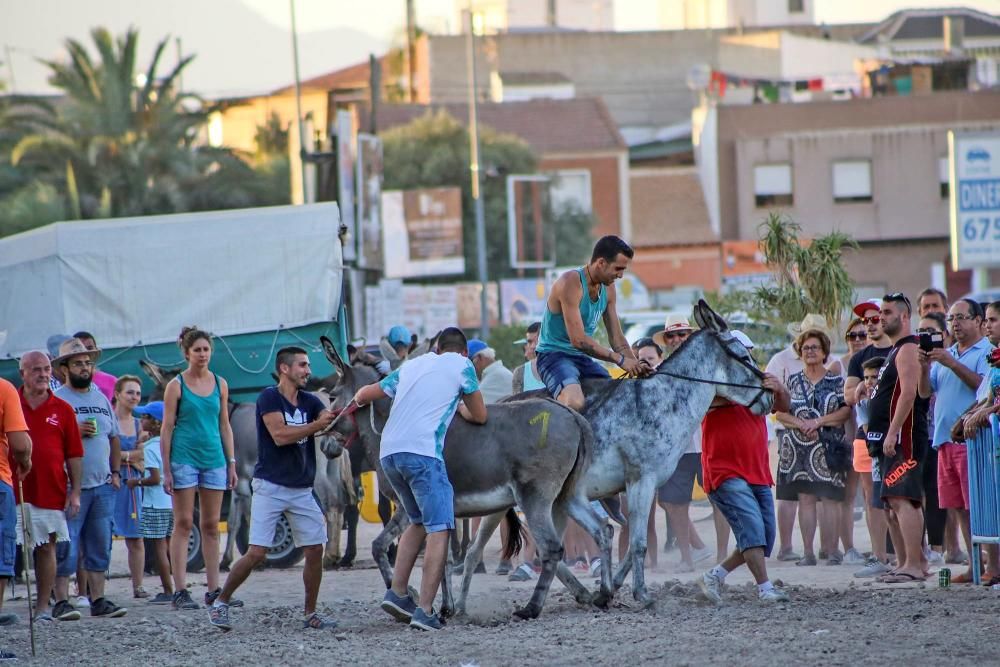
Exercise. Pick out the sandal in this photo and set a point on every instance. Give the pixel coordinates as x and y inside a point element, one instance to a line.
<point>139,592</point>
<point>899,578</point>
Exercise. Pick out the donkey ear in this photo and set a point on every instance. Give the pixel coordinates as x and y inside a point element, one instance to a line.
<point>330,350</point>
<point>701,319</point>
<point>154,372</point>
<point>388,351</point>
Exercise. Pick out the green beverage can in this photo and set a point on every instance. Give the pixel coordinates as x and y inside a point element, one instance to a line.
<point>93,421</point>
<point>944,577</point>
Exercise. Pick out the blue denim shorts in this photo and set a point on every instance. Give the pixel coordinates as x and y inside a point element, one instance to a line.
<point>89,532</point>
<point>559,369</point>
<point>422,486</point>
<point>749,509</point>
<point>186,477</point>
<point>8,530</point>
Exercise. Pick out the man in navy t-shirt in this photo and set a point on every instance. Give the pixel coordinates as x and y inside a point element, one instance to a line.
<point>287,420</point>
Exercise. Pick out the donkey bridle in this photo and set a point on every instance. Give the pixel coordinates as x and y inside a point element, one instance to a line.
<point>756,371</point>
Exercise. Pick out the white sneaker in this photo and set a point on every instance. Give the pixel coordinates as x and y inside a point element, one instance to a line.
<point>933,557</point>
<point>773,595</point>
<point>853,557</point>
<point>698,555</point>
<point>82,601</point>
<point>873,568</point>
<point>711,587</point>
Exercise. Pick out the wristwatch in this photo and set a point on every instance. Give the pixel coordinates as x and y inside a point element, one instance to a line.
<point>233,461</point>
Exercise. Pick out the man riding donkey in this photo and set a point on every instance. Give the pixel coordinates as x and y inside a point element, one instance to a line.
<point>566,347</point>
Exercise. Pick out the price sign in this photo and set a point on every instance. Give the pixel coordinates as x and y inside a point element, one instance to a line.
<point>974,164</point>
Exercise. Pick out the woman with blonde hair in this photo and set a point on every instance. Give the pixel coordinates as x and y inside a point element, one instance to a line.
<point>196,443</point>
<point>127,517</point>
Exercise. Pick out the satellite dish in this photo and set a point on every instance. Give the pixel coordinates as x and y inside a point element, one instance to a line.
<point>699,76</point>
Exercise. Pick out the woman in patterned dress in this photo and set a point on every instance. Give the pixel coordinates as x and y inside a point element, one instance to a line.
<point>817,397</point>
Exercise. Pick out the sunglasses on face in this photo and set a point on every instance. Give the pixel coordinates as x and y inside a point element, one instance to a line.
<point>928,330</point>
<point>874,319</point>
<point>681,334</point>
<point>857,336</point>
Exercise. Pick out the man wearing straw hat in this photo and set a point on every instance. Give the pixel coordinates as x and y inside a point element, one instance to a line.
<point>90,529</point>
<point>13,438</point>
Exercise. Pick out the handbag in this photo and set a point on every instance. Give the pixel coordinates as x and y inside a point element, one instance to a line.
<point>839,456</point>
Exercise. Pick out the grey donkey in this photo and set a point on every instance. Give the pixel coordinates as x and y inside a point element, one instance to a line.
<point>643,426</point>
<point>531,453</point>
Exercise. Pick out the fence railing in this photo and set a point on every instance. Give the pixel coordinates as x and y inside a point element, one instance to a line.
<point>984,489</point>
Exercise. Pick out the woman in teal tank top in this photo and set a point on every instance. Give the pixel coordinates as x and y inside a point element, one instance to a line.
<point>196,442</point>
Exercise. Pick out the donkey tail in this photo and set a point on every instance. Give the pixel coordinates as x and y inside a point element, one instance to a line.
<point>516,535</point>
<point>584,453</point>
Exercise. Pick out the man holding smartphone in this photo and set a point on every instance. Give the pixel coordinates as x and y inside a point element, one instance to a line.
<point>953,375</point>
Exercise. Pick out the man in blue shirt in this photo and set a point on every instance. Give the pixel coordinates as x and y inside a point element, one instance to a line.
<point>287,421</point>
<point>953,375</point>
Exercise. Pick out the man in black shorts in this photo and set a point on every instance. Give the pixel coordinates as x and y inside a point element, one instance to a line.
<point>898,424</point>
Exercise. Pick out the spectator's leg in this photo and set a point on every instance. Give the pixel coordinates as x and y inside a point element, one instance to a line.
<point>807,522</point>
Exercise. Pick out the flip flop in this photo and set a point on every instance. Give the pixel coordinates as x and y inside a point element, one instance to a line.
<point>900,578</point>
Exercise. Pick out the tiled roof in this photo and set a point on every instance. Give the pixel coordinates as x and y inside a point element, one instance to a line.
<point>668,208</point>
<point>579,125</point>
<point>353,76</point>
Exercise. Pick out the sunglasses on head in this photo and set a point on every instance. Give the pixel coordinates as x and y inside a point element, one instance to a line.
<point>860,335</point>
<point>898,296</point>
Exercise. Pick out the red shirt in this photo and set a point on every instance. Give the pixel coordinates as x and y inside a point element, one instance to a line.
<point>55,438</point>
<point>734,444</point>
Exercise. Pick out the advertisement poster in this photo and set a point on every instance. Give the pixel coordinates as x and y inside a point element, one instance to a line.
<point>422,232</point>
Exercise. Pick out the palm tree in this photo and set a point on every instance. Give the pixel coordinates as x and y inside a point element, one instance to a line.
<point>809,278</point>
<point>123,144</point>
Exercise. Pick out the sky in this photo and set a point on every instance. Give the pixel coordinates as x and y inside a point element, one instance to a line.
<point>243,46</point>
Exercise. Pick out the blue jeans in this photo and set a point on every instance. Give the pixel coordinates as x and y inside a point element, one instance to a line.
<point>749,509</point>
<point>187,477</point>
<point>559,369</point>
<point>89,530</point>
<point>8,530</point>
<point>421,483</point>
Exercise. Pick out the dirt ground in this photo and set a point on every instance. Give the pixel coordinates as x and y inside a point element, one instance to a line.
<point>832,619</point>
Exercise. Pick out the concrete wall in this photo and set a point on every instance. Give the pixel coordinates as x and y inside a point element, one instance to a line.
<point>239,122</point>
<point>902,136</point>
<point>880,268</point>
<point>640,75</point>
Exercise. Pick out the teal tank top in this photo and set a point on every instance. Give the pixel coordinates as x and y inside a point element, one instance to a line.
<point>196,439</point>
<point>531,383</point>
<point>554,338</point>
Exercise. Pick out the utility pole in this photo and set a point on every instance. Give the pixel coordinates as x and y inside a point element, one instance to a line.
<point>303,147</point>
<point>411,49</point>
<point>477,195</point>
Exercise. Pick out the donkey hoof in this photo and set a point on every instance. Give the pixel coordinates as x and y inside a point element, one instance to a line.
<point>331,562</point>
<point>447,612</point>
<point>526,613</point>
<point>602,600</point>
<point>584,598</point>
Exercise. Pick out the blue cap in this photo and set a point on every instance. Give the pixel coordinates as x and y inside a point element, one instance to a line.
<point>153,409</point>
<point>476,346</point>
<point>399,335</point>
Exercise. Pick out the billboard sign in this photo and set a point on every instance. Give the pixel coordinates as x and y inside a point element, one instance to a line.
<point>422,233</point>
<point>369,208</point>
<point>974,178</point>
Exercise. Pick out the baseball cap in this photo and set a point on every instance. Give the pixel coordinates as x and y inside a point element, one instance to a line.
<point>743,338</point>
<point>476,346</point>
<point>399,335</point>
<point>154,409</point>
<point>53,342</point>
<point>866,305</point>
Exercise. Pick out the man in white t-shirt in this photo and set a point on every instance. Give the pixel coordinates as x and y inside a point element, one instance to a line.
<point>426,393</point>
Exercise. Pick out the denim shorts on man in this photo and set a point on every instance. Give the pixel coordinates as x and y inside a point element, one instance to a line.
<point>299,506</point>
<point>749,510</point>
<point>559,369</point>
<point>90,530</point>
<point>187,477</point>
<point>8,530</point>
<point>422,486</point>
<point>679,489</point>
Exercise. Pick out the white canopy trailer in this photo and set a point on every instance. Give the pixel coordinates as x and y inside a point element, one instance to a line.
<point>139,280</point>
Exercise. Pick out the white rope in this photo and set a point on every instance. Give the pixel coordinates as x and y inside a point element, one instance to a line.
<point>267,358</point>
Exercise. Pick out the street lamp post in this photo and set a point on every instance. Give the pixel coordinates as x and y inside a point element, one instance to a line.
<point>477,198</point>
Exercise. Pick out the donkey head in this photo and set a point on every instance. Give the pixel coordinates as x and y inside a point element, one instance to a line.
<point>728,362</point>
<point>160,377</point>
<point>349,378</point>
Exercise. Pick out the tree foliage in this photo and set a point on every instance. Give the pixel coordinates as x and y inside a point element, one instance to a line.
<point>433,151</point>
<point>120,143</point>
<point>809,278</point>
